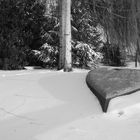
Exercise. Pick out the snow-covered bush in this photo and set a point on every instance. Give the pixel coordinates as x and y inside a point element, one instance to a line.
<point>33,58</point>
<point>48,55</point>
<point>85,56</point>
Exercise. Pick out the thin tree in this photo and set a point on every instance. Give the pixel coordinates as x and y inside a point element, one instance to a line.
<point>135,11</point>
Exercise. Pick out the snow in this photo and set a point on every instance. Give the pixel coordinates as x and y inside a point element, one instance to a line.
<point>53,105</point>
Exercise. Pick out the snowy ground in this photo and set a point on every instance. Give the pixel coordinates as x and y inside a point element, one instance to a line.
<point>49,105</point>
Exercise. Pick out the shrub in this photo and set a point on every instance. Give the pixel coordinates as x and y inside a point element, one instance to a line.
<point>33,58</point>
<point>84,56</point>
<point>48,55</point>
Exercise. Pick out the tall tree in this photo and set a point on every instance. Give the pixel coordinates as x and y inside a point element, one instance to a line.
<point>65,57</point>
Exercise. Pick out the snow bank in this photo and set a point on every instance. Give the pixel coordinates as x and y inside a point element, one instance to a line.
<point>49,105</point>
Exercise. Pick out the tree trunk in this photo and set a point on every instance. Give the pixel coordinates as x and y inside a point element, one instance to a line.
<point>135,25</point>
<point>65,58</point>
<point>61,36</point>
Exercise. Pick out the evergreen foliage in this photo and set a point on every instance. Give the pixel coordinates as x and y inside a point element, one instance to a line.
<point>84,56</point>
<point>29,32</point>
<point>49,55</point>
<point>19,30</point>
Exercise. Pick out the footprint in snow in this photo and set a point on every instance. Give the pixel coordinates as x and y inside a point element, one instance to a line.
<point>120,113</point>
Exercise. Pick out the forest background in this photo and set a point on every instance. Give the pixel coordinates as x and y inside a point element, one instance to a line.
<point>103,31</point>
